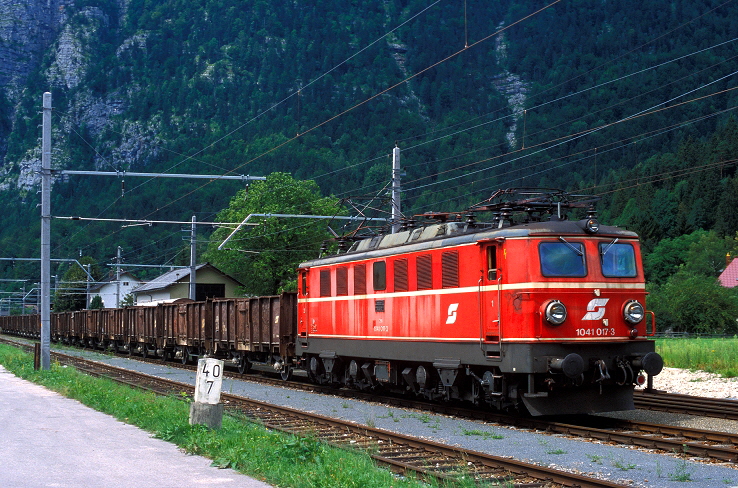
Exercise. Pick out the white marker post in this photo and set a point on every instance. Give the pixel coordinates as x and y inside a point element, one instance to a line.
<point>207,409</point>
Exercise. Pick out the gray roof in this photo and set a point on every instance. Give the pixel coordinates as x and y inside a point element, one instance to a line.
<point>176,276</point>
<point>454,234</point>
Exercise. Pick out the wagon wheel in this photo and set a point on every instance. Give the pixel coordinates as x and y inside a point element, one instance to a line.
<point>145,351</point>
<point>185,354</point>
<point>164,355</point>
<point>131,347</point>
<point>286,373</point>
<point>244,365</point>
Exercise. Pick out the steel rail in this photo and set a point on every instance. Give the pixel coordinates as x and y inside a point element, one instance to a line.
<point>722,408</point>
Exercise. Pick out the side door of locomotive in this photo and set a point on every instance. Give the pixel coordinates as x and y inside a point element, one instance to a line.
<point>303,323</point>
<point>490,294</point>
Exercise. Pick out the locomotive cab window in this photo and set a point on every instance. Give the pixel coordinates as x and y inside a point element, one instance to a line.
<point>492,263</point>
<point>618,260</point>
<point>562,258</point>
<point>379,275</point>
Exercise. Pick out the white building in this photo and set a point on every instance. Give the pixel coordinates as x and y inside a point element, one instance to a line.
<point>112,294</point>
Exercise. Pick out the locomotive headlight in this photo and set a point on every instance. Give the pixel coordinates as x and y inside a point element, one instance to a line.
<point>633,312</point>
<point>555,312</point>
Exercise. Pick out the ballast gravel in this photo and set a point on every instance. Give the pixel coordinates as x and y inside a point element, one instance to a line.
<point>697,383</point>
<point>618,463</point>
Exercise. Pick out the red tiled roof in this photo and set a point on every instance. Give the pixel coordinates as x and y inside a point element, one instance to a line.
<point>729,277</point>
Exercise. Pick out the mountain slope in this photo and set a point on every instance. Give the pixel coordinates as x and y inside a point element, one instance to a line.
<point>216,86</point>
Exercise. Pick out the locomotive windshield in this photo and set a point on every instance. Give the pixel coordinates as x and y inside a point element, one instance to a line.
<point>618,260</point>
<point>562,259</point>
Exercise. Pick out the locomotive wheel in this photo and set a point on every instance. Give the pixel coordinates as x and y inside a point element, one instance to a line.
<point>244,365</point>
<point>286,373</point>
<point>314,370</point>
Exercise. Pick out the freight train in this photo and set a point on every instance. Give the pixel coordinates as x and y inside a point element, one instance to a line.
<point>526,310</point>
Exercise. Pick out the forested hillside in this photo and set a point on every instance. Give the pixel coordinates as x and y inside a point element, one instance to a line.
<point>629,100</point>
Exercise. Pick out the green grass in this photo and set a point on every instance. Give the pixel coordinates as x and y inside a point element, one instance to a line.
<point>713,355</point>
<point>279,459</point>
<point>482,433</point>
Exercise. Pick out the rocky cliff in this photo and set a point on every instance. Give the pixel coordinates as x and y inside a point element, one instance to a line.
<point>60,41</point>
<point>27,29</point>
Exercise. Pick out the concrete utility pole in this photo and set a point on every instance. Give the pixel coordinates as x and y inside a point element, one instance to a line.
<point>396,213</point>
<point>46,234</point>
<point>193,260</point>
<point>117,279</point>
<point>87,292</point>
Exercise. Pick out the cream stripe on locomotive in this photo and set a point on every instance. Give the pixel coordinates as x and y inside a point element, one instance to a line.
<point>534,286</point>
<point>470,339</point>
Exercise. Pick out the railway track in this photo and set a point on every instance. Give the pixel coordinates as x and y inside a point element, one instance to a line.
<point>718,446</point>
<point>402,454</point>
<point>691,405</point>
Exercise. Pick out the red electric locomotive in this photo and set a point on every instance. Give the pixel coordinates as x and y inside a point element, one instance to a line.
<point>538,311</point>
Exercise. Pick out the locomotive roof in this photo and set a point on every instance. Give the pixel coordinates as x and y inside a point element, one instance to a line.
<point>459,233</point>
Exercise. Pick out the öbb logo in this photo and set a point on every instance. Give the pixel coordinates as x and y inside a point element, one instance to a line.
<point>596,309</point>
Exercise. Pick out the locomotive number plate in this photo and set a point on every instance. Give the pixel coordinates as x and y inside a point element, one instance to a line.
<point>596,332</point>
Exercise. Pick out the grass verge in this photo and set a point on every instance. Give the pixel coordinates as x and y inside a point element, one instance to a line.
<point>713,355</point>
<point>274,457</point>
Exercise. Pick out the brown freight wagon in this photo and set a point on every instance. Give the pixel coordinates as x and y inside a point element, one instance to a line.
<point>94,327</point>
<point>243,331</point>
<point>78,328</point>
<point>257,330</point>
<point>182,329</point>
<point>30,325</point>
<point>21,325</point>
<point>116,332</point>
<point>142,330</point>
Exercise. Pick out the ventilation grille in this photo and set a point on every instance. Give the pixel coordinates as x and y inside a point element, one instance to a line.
<point>401,275</point>
<point>325,283</point>
<point>450,265</point>
<point>425,272</point>
<point>360,279</point>
<point>342,281</point>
